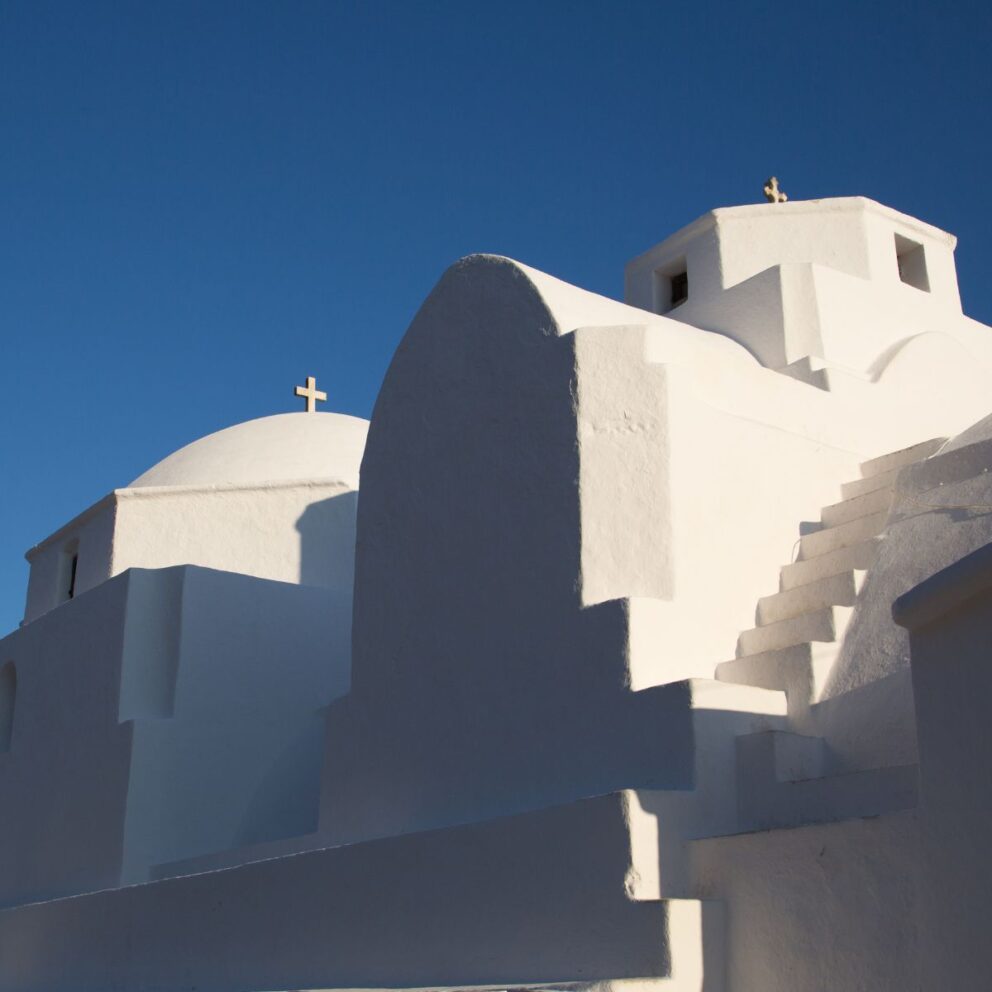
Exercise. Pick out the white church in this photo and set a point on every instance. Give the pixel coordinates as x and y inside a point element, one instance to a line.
<point>629,646</point>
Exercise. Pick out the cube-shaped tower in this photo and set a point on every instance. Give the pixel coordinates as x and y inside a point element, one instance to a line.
<point>825,283</point>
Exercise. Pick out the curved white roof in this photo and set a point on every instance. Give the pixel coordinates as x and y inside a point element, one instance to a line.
<point>282,448</point>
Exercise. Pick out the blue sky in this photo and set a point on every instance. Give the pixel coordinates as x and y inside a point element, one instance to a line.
<point>201,203</point>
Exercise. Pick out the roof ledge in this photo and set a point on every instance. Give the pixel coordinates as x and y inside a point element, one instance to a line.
<point>968,578</point>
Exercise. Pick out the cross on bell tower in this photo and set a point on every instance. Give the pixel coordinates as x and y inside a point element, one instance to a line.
<point>311,394</point>
<point>772,192</point>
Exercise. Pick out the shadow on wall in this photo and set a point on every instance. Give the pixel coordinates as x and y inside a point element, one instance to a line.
<point>8,695</point>
<point>327,542</point>
<point>287,800</point>
<point>480,685</point>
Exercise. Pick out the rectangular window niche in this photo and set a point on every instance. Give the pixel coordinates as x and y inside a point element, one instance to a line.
<point>912,263</point>
<point>671,286</point>
<point>68,565</point>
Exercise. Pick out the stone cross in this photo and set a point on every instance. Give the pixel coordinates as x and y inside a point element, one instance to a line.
<point>772,193</point>
<point>311,393</point>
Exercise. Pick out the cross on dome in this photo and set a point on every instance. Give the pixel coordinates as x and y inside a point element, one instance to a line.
<point>311,394</point>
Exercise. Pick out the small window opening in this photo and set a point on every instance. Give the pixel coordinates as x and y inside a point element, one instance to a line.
<point>8,694</point>
<point>68,569</point>
<point>912,263</point>
<point>671,287</point>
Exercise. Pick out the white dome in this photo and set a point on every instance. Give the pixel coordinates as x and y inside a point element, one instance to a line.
<point>282,448</point>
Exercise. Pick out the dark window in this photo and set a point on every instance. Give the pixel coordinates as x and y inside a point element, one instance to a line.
<point>912,263</point>
<point>67,571</point>
<point>680,288</point>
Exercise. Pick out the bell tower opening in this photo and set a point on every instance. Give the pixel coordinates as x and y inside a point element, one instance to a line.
<point>912,263</point>
<point>68,568</point>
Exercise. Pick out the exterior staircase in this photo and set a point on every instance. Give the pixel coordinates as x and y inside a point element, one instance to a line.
<point>800,628</point>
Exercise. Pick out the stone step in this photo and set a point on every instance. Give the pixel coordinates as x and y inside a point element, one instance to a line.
<point>780,756</point>
<point>799,671</point>
<point>709,695</point>
<point>833,590</point>
<point>777,670</point>
<point>831,538</point>
<point>859,487</point>
<point>858,556</point>
<point>781,784</point>
<point>821,625</point>
<point>846,510</point>
<point>897,459</point>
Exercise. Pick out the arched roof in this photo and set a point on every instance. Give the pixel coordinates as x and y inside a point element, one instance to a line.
<point>282,448</point>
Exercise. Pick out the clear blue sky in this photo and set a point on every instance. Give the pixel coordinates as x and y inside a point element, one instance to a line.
<point>203,202</point>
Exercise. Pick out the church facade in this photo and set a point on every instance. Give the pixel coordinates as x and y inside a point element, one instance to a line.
<point>651,652</point>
